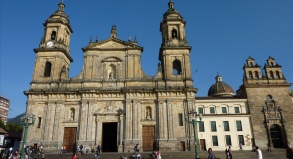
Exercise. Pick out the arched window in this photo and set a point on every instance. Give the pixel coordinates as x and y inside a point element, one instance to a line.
<point>271,74</point>
<point>48,67</point>
<point>277,74</point>
<point>148,113</point>
<point>174,33</point>
<point>272,63</point>
<point>251,64</point>
<point>112,72</point>
<point>177,67</point>
<point>256,75</point>
<point>250,74</point>
<point>53,35</point>
<point>72,114</point>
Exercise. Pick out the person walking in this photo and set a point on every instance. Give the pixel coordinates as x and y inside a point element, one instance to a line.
<point>43,155</point>
<point>227,153</point>
<point>73,156</point>
<point>211,154</point>
<point>230,152</point>
<point>258,152</point>
<point>289,153</point>
<point>96,155</point>
<point>99,148</point>
<point>81,149</point>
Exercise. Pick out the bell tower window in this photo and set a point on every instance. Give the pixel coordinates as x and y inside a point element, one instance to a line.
<point>250,74</point>
<point>271,74</point>
<point>174,33</point>
<point>177,67</point>
<point>48,67</point>
<point>53,35</point>
<point>277,74</point>
<point>256,75</point>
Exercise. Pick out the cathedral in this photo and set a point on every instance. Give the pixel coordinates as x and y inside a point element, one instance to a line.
<point>113,103</point>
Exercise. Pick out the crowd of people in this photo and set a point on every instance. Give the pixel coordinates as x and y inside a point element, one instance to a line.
<point>30,152</point>
<point>33,152</point>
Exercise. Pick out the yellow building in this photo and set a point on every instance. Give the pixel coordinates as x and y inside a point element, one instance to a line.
<point>113,103</point>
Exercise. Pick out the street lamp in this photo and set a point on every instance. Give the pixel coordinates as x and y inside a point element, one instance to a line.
<point>193,122</point>
<point>26,121</point>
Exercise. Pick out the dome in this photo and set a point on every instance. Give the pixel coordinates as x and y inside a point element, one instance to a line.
<point>220,88</point>
<point>59,16</point>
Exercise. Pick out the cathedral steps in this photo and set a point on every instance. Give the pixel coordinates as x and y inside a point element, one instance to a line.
<point>276,154</point>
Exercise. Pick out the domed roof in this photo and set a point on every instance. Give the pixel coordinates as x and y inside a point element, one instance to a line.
<point>59,16</point>
<point>220,88</point>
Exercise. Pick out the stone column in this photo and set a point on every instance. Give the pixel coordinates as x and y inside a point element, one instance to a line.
<point>170,119</point>
<point>128,122</point>
<point>88,122</point>
<point>56,122</point>
<point>134,120</point>
<point>96,130</point>
<point>120,146</point>
<point>50,121</point>
<point>82,120</point>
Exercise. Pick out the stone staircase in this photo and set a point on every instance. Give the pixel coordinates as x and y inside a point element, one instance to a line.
<point>276,154</point>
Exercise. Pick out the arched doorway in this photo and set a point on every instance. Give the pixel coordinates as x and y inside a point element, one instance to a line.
<point>276,136</point>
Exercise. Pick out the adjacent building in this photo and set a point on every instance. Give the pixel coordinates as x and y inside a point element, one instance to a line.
<point>113,103</point>
<point>4,108</point>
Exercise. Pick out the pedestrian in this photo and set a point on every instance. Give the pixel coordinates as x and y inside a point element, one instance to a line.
<point>240,146</point>
<point>61,150</point>
<point>99,148</point>
<point>158,154</point>
<point>96,155</point>
<point>289,153</point>
<point>270,149</point>
<point>84,149</point>
<point>73,156</point>
<point>230,152</point>
<point>137,148</point>
<point>81,149</point>
<point>43,155</point>
<point>258,152</point>
<point>227,153</point>
<point>211,154</point>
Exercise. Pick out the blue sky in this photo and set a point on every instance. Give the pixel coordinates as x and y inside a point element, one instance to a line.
<point>222,33</point>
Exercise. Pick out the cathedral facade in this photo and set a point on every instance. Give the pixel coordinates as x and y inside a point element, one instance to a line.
<point>113,103</point>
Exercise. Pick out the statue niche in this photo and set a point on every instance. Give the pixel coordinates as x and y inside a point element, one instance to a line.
<point>148,113</point>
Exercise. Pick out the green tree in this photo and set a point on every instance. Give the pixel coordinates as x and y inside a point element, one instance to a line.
<point>2,125</point>
<point>13,127</point>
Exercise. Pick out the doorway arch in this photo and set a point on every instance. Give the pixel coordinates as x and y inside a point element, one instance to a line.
<point>276,136</point>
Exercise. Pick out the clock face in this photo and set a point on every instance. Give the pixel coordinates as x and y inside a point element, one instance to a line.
<point>50,44</point>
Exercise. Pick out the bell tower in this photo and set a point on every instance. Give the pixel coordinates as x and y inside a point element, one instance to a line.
<point>53,55</point>
<point>174,52</point>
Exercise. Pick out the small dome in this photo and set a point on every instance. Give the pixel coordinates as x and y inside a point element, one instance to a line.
<point>220,88</point>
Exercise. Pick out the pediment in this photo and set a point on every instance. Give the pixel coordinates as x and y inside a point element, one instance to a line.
<point>110,44</point>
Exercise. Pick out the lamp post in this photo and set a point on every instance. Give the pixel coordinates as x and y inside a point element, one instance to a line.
<point>194,122</point>
<point>26,121</point>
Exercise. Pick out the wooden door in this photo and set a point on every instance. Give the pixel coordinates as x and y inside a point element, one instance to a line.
<point>148,138</point>
<point>69,139</point>
<point>203,145</point>
<point>182,146</point>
